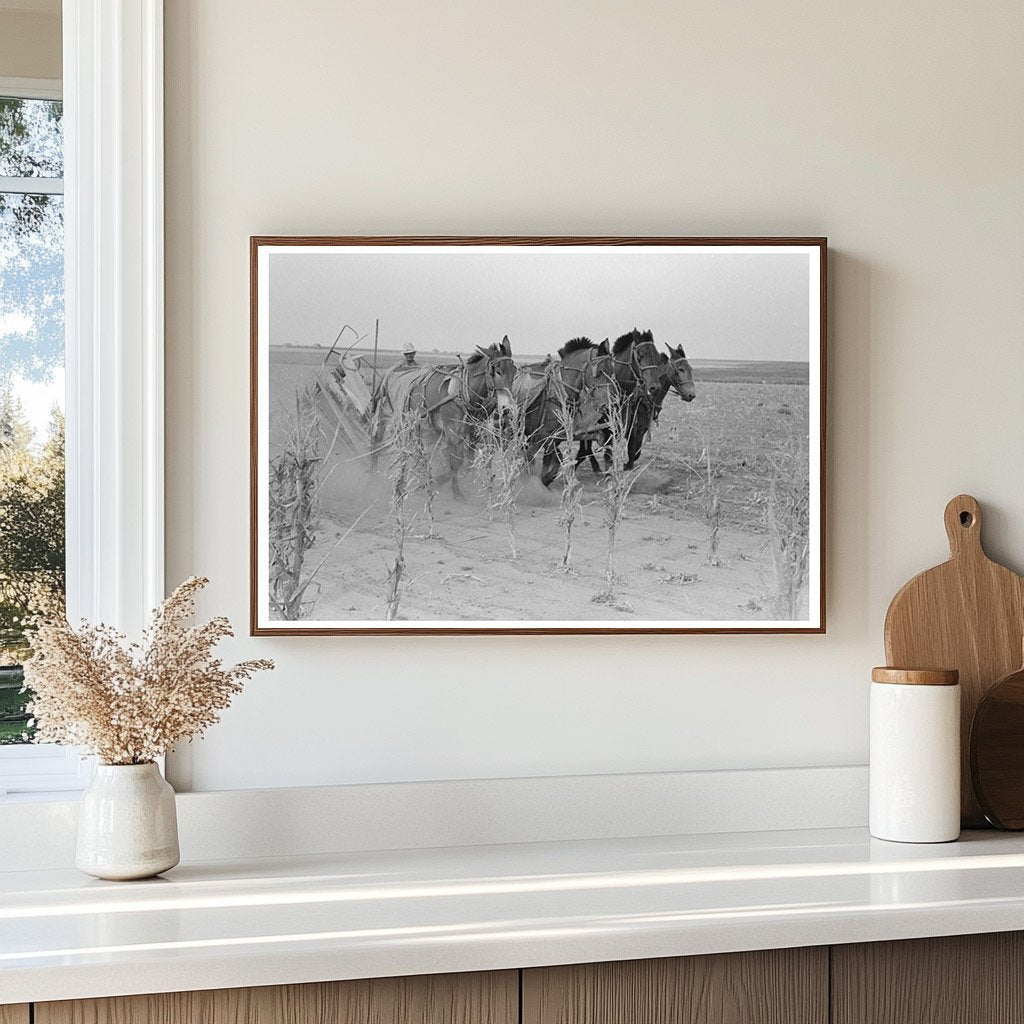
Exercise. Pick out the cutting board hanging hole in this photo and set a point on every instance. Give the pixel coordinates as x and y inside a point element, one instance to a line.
<point>963,525</point>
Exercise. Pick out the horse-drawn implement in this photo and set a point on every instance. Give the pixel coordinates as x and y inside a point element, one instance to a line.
<point>343,401</point>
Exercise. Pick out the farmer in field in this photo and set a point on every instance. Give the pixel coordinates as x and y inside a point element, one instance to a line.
<point>408,362</point>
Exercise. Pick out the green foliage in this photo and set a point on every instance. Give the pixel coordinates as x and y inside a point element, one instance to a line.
<point>14,727</point>
<point>31,524</point>
<point>31,548</point>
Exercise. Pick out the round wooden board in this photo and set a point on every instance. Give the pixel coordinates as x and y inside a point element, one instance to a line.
<point>997,753</point>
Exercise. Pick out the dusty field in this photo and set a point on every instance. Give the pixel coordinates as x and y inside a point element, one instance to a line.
<point>746,418</point>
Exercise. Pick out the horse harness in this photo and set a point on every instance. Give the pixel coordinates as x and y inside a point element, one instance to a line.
<point>458,375</point>
<point>634,362</point>
<point>550,374</point>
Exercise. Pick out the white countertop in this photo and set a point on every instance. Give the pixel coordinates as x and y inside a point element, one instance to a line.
<point>297,919</point>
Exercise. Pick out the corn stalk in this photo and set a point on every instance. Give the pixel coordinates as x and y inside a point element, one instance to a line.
<point>295,475</point>
<point>499,464</point>
<point>406,445</point>
<point>618,482</point>
<point>570,503</point>
<point>788,521</point>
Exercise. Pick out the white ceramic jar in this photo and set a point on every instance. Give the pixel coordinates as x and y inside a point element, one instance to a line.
<point>127,823</point>
<point>915,755</point>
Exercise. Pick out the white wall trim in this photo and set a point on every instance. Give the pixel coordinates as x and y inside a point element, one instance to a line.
<point>31,88</point>
<point>32,186</point>
<point>114,326</point>
<point>113,91</point>
<point>246,824</point>
<point>42,768</point>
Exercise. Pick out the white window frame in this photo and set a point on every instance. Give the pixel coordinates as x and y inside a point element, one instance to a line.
<point>114,323</point>
<point>37,767</point>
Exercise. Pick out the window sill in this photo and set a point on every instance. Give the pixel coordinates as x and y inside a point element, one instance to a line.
<point>41,797</point>
<point>42,771</point>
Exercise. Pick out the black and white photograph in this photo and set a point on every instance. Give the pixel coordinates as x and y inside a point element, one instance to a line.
<point>537,435</point>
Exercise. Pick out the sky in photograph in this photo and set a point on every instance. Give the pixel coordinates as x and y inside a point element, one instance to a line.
<point>727,305</point>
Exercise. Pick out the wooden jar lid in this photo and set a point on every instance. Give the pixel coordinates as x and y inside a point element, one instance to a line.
<point>916,676</point>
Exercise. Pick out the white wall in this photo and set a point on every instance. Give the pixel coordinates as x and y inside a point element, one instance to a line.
<point>895,129</point>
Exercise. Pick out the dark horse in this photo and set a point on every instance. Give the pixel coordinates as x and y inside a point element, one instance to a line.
<point>641,408</point>
<point>637,364</point>
<point>453,399</point>
<point>676,376</point>
<point>573,391</point>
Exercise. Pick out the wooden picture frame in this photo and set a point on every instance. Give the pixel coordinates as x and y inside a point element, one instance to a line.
<point>320,284</point>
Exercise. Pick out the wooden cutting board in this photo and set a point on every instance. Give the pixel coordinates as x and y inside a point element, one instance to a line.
<point>967,614</point>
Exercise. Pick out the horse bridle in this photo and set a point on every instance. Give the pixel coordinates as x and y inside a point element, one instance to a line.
<point>489,375</point>
<point>577,392</point>
<point>634,362</point>
<point>676,385</point>
<point>492,368</point>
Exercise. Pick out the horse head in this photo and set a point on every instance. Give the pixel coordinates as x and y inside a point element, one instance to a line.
<point>581,371</point>
<point>680,375</point>
<point>489,375</point>
<point>588,395</point>
<point>637,366</point>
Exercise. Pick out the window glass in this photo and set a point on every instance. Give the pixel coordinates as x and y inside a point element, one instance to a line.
<point>31,138</point>
<point>31,387</point>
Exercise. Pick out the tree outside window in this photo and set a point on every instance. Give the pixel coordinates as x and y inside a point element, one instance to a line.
<point>32,541</point>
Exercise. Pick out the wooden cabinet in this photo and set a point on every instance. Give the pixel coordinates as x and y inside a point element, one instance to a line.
<point>778,986</point>
<point>971,979</point>
<point>963,979</point>
<point>491,998</point>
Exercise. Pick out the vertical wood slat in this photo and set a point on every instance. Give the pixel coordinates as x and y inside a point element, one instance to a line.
<point>960,979</point>
<point>479,998</point>
<point>14,1014</point>
<point>778,986</point>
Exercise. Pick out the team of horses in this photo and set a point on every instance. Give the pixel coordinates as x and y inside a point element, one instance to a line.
<point>578,391</point>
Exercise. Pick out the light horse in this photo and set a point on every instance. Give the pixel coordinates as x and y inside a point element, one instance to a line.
<point>577,385</point>
<point>453,399</point>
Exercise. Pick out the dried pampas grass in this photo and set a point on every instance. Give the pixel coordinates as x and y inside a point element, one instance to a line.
<point>129,703</point>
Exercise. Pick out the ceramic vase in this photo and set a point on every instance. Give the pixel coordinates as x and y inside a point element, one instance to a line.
<point>127,825</point>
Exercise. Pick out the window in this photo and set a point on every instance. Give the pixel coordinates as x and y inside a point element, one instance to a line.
<point>111,205</point>
<point>32,530</point>
<point>31,383</point>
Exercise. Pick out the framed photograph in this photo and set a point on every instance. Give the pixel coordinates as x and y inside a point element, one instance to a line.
<point>537,435</point>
